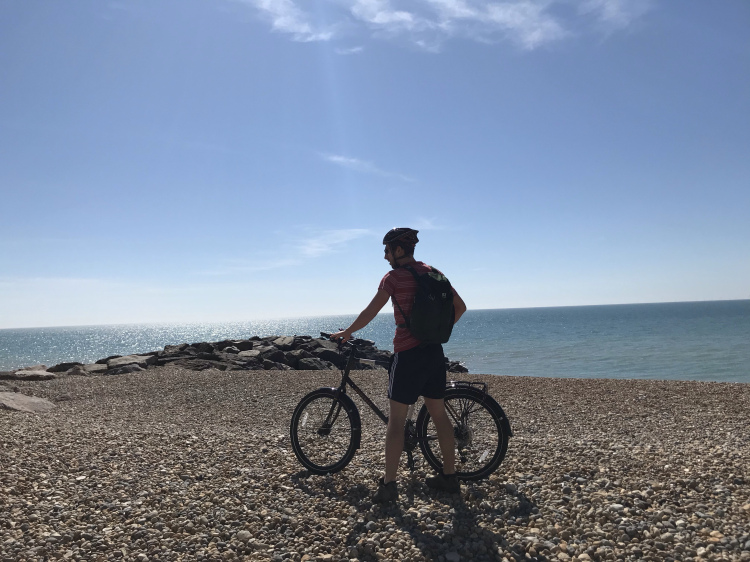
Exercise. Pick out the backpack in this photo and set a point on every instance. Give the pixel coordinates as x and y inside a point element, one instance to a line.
<point>432,314</point>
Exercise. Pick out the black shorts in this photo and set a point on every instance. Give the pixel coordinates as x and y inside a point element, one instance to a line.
<point>419,371</point>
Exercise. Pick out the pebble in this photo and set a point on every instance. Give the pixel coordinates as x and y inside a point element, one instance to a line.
<point>173,464</point>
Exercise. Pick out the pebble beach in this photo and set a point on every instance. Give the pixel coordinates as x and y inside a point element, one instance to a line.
<point>174,464</point>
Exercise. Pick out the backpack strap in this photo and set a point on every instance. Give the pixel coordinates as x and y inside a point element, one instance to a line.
<point>401,310</point>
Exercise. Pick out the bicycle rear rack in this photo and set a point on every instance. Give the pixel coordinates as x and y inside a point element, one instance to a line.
<point>481,386</point>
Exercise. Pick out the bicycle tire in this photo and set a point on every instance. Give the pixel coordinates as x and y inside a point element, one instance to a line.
<point>481,431</point>
<point>325,431</point>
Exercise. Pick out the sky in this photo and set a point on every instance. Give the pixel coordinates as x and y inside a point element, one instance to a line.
<point>232,160</point>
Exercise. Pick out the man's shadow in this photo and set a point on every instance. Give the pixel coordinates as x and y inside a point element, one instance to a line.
<point>463,526</point>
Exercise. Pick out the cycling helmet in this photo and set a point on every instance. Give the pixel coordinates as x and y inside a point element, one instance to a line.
<point>405,237</point>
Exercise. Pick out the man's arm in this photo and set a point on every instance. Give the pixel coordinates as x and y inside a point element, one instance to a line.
<point>366,316</point>
<point>459,306</point>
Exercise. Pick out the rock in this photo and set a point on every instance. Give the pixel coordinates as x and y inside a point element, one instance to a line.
<point>95,368</point>
<point>140,360</point>
<point>24,375</point>
<point>275,355</point>
<point>200,364</point>
<point>23,403</point>
<point>313,364</point>
<point>284,343</point>
<point>231,349</point>
<point>203,347</point>
<point>244,536</point>
<point>62,367</point>
<point>125,369</point>
<point>452,556</point>
<point>107,359</point>
<point>325,354</point>
<point>293,357</point>
<point>78,371</point>
<point>174,349</point>
<point>249,354</point>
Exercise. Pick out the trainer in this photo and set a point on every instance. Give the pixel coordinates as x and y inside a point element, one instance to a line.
<point>416,369</point>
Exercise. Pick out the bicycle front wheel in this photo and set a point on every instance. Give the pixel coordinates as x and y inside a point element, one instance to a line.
<point>480,430</point>
<point>325,431</point>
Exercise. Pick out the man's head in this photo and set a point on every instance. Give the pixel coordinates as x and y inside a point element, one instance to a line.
<point>399,243</point>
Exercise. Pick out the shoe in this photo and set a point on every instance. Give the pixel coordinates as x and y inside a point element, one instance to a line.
<point>444,483</point>
<point>387,493</point>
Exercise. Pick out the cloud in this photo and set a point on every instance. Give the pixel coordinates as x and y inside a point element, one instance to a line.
<point>362,166</point>
<point>330,241</point>
<point>616,14</point>
<point>287,17</point>
<point>529,24</point>
<point>350,51</point>
<point>313,244</point>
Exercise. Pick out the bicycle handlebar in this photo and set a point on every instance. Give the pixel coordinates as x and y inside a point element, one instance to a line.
<point>355,343</point>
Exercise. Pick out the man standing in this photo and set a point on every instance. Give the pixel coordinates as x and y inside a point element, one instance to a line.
<point>416,369</point>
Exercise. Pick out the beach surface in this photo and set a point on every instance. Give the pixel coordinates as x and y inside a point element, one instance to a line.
<point>172,464</point>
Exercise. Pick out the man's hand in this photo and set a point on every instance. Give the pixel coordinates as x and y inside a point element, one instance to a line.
<point>378,302</point>
<point>343,336</point>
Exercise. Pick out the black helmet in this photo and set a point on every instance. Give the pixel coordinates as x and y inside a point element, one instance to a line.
<point>406,237</point>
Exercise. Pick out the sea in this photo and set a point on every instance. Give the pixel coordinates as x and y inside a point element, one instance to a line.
<point>703,341</point>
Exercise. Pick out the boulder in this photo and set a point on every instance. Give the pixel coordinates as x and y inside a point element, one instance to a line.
<point>314,364</point>
<point>200,364</point>
<point>284,343</point>
<point>293,357</point>
<point>331,356</point>
<point>125,369</point>
<point>23,403</point>
<point>275,355</point>
<point>62,367</point>
<point>24,375</point>
<point>140,360</point>
<point>95,368</point>
<point>174,349</point>
<point>203,347</point>
<point>244,345</point>
<point>328,344</point>
<point>78,371</point>
<point>231,349</point>
<point>249,354</point>
<point>107,359</point>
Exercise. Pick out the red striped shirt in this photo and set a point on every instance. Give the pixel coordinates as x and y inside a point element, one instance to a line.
<point>401,286</point>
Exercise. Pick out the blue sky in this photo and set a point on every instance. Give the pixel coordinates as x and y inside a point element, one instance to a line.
<point>216,160</point>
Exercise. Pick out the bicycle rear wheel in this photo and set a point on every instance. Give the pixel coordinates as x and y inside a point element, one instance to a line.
<point>325,431</point>
<point>480,429</point>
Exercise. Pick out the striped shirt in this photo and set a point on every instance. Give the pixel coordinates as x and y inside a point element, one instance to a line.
<point>401,286</point>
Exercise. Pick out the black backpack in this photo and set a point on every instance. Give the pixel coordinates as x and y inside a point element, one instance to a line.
<point>432,315</point>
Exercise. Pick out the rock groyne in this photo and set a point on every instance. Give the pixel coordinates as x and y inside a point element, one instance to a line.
<point>280,353</point>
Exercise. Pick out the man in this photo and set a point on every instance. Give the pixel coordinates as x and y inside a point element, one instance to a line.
<point>416,370</point>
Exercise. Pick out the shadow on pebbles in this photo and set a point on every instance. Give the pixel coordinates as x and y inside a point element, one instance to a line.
<point>170,464</point>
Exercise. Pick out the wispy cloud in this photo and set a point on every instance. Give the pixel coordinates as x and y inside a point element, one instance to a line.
<point>330,241</point>
<point>616,14</point>
<point>350,51</point>
<point>363,166</point>
<point>298,250</point>
<point>287,17</point>
<point>528,24</point>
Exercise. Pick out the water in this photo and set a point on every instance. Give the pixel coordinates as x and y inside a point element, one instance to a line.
<point>707,341</point>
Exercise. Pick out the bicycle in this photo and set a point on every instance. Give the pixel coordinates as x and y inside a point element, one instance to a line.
<point>326,428</point>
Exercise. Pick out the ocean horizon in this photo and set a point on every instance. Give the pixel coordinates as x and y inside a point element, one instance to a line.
<point>705,340</point>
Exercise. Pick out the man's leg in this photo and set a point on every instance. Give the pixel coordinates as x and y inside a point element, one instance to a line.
<point>444,428</point>
<point>394,439</point>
